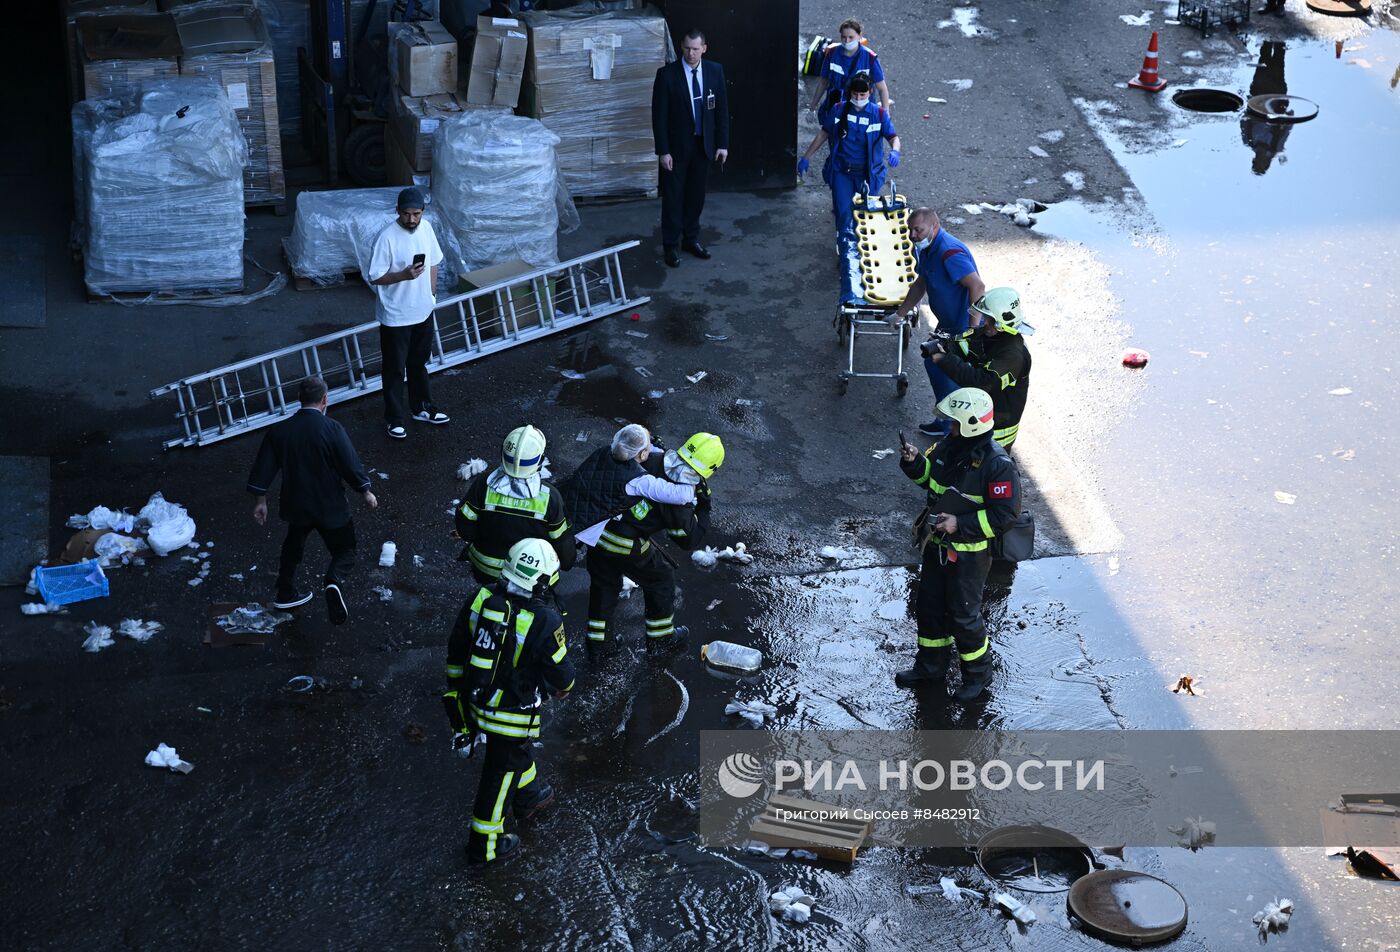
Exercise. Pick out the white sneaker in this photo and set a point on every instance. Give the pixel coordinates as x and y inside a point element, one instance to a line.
<point>397,432</point>
<point>431,414</point>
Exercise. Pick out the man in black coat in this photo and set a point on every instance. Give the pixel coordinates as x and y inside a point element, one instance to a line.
<point>315,457</point>
<point>690,122</point>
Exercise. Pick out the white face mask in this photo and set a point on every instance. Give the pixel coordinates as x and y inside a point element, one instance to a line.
<point>922,243</point>
<point>851,46</point>
<point>860,104</point>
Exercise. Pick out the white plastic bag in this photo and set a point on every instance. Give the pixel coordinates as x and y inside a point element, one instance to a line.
<point>171,527</point>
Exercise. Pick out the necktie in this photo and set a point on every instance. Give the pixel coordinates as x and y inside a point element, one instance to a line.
<point>695,98</point>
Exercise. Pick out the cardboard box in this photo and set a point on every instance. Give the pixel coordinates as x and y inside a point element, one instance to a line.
<point>498,62</point>
<point>491,320</point>
<point>118,52</point>
<point>416,118</point>
<point>229,43</point>
<point>426,59</point>
<point>398,169</point>
<point>72,9</point>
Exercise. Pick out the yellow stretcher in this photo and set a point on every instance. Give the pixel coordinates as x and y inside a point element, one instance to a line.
<point>888,267</point>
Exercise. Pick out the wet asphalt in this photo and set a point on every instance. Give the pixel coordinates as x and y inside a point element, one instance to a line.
<point>313,821</point>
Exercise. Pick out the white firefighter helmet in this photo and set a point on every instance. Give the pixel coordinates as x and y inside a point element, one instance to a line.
<point>523,452</point>
<point>970,407</point>
<point>529,561</point>
<point>1003,305</point>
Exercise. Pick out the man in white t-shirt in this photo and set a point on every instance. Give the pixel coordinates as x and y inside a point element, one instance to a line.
<point>403,271</point>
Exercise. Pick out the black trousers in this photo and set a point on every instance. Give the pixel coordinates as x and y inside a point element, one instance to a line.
<point>405,350</point>
<point>948,611</point>
<point>683,193</point>
<point>340,541</point>
<point>506,776</point>
<point>651,572</point>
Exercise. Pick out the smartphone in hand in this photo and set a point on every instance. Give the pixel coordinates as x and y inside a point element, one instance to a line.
<point>419,260</point>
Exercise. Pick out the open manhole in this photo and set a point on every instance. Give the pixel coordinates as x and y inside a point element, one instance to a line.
<point>1200,99</point>
<point>1276,107</point>
<point>1127,907</point>
<point>1038,859</point>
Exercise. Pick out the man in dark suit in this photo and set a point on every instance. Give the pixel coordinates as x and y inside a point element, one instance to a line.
<point>690,121</point>
<point>314,455</point>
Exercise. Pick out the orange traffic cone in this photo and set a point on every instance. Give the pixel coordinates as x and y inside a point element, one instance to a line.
<point>1148,78</point>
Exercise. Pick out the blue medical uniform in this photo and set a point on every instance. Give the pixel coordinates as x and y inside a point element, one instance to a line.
<point>856,162</point>
<point>839,67</point>
<point>944,263</point>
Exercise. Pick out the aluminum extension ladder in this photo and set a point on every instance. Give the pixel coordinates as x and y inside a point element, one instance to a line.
<point>244,396</point>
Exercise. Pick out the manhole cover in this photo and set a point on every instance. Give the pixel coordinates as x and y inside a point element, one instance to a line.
<point>1208,100</point>
<point>1121,905</point>
<point>1341,8</point>
<point>1038,859</point>
<point>1279,108</point>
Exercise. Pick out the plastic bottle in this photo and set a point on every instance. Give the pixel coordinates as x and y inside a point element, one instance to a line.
<point>725,654</point>
<point>387,554</point>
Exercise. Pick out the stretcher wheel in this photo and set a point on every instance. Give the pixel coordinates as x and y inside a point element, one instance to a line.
<point>843,328</point>
<point>901,385</point>
<point>842,384</point>
<point>904,335</point>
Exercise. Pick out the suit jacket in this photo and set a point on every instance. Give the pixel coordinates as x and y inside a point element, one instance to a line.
<point>673,124</point>
<point>314,455</point>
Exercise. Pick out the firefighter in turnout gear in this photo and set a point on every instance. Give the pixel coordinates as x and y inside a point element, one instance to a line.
<point>511,503</point>
<point>506,651</point>
<point>974,493</point>
<point>626,547</point>
<point>994,359</point>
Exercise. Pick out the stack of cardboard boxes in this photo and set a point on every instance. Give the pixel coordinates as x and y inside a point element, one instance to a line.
<point>434,84</point>
<point>114,46</point>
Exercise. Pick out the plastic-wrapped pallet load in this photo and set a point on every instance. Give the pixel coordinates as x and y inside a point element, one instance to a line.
<point>88,114</point>
<point>229,43</point>
<point>165,193</point>
<point>333,234</point>
<point>498,183</point>
<point>588,77</point>
<point>119,53</point>
<point>72,9</point>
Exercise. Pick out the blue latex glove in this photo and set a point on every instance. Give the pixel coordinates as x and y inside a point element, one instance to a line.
<point>802,166</point>
<point>893,160</point>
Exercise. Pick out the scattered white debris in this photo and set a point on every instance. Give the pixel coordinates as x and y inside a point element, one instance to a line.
<point>714,604</point>
<point>169,526</point>
<point>965,19</point>
<point>1192,54</point>
<point>251,619</point>
<point>798,912</point>
<point>1287,499</point>
<point>959,85</point>
<point>628,586</point>
<point>834,552</point>
<point>42,608</point>
<point>572,375</point>
<point>1340,392</point>
<point>735,553</point>
<point>1274,917</point>
<point>385,593</point>
<point>656,394</point>
<point>31,587</point>
<point>115,547</point>
<point>196,581</point>
<point>138,630</point>
<point>791,903</point>
<point>803,854</point>
<point>752,711</point>
<point>1038,152</point>
<point>937,100</point>
<point>971,209</point>
<point>698,376</point>
<point>640,335</point>
<point>1179,143</point>
<point>1193,833</point>
<point>882,454</point>
<point>705,558</point>
<point>1138,20</point>
<point>1113,565</point>
<point>237,576</point>
<point>642,372</point>
<point>387,554</point>
<point>756,848</point>
<point>1074,179</point>
<point>382,475</point>
<point>417,561</point>
<point>471,468</point>
<point>1053,135</point>
<point>100,517</point>
<point>1014,908</point>
<point>717,337</point>
<point>1022,219</point>
<point>169,757</point>
<point>99,637</point>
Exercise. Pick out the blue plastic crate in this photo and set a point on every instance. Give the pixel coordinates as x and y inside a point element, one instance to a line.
<point>65,584</point>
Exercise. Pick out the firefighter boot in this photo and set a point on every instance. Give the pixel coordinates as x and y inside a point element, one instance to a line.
<point>507,847</point>
<point>532,801</point>
<point>665,644</point>
<point>974,684</point>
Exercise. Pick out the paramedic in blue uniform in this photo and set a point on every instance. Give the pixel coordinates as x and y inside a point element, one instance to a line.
<point>690,122</point>
<point>948,274</point>
<point>841,63</point>
<point>858,131</point>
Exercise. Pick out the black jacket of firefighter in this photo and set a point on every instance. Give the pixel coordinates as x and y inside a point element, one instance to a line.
<point>1000,365</point>
<point>973,479</point>
<point>504,653</point>
<point>490,523</point>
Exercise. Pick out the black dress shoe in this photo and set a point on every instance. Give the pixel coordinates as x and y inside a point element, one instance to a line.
<point>697,249</point>
<point>673,257</point>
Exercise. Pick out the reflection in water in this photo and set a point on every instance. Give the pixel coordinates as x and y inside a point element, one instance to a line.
<point>1264,137</point>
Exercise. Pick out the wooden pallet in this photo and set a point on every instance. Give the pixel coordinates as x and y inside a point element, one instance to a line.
<point>835,839</point>
<point>278,205</point>
<point>161,294</point>
<point>302,283</point>
<point>638,196</point>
